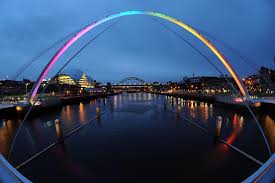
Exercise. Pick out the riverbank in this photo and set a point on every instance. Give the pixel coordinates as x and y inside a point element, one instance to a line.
<point>223,101</point>
<point>47,105</point>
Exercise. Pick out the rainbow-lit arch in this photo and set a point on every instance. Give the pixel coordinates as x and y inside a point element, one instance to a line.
<point>60,52</point>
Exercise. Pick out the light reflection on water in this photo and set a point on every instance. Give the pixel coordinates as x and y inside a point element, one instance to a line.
<point>6,131</point>
<point>269,128</point>
<point>67,114</point>
<point>205,113</point>
<point>82,114</point>
<point>237,128</point>
<point>203,109</point>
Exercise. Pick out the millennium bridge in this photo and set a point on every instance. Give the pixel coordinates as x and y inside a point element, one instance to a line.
<point>36,97</point>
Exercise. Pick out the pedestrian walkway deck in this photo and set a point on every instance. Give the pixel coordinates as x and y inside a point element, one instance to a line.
<point>265,173</point>
<point>8,174</point>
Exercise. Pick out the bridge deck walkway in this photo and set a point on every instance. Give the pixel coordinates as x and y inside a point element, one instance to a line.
<point>9,174</point>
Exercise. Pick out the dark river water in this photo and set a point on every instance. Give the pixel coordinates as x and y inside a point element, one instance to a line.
<point>140,138</point>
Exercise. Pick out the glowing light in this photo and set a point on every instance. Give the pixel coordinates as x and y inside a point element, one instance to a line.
<point>239,100</point>
<point>235,120</point>
<point>65,79</point>
<point>82,114</point>
<point>60,52</point>
<point>19,108</point>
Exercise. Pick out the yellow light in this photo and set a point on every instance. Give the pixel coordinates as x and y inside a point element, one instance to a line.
<point>19,108</point>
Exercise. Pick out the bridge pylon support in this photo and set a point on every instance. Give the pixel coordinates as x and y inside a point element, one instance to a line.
<point>218,126</point>
<point>98,111</point>
<point>58,129</point>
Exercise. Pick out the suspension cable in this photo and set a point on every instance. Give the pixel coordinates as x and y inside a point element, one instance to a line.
<point>220,139</point>
<point>58,141</point>
<point>40,95</point>
<point>32,60</point>
<point>233,87</point>
<point>238,53</point>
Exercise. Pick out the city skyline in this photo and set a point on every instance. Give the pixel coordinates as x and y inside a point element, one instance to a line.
<point>137,91</point>
<point>137,46</point>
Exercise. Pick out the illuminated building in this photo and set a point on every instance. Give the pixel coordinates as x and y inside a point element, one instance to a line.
<point>252,84</point>
<point>207,85</point>
<point>66,79</point>
<point>12,87</point>
<point>262,83</point>
<point>267,80</point>
<point>79,79</point>
<point>71,83</point>
<point>84,83</point>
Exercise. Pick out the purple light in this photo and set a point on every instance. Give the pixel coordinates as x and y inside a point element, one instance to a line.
<point>126,13</point>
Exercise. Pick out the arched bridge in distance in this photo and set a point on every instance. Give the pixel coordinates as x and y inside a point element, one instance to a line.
<point>132,81</point>
<point>131,84</point>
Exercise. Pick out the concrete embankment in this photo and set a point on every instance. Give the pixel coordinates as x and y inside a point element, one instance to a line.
<point>203,98</point>
<point>223,101</point>
<point>48,105</point>
<point>76,99</point>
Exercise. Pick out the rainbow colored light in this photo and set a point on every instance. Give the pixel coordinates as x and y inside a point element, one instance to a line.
<point>60,52</point>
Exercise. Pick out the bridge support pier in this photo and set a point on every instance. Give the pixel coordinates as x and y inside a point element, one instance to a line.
<point>98,111</point>
<point>58,129</point>
<point>98,114</point>
<point>218,126</point>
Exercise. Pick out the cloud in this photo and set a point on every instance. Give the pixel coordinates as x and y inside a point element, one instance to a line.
<point>29,26</point>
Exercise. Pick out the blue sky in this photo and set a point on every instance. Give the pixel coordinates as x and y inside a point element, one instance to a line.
<point>137,45</point>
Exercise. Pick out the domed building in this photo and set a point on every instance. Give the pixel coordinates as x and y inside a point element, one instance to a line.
<point>65,79</point>
<point>75,77</point>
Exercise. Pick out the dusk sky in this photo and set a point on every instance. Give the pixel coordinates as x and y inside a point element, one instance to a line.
<point>136,45</point>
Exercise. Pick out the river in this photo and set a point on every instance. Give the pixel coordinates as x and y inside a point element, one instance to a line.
<point>141,137</point>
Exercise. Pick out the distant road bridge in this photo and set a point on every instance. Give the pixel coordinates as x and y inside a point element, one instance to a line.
<point>131,84</point>
<point>132,81</point>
